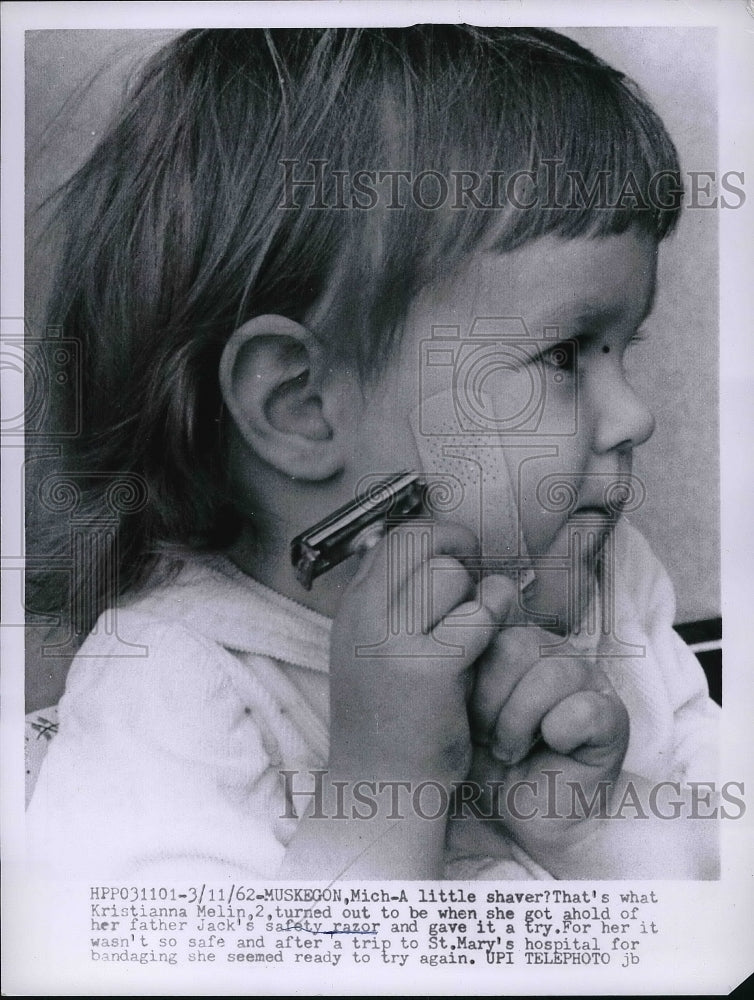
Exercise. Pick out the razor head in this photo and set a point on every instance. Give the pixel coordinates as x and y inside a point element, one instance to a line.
<point>355,527</point>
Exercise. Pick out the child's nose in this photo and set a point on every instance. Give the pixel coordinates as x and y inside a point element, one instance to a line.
<point>623,419</point>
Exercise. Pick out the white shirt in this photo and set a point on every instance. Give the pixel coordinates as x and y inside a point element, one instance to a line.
<point>168,762</point>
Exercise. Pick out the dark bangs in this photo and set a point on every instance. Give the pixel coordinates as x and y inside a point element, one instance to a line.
<point>602,157</point>
<point>494,137</point>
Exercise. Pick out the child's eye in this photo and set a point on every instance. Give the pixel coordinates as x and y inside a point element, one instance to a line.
<point>561,357</point>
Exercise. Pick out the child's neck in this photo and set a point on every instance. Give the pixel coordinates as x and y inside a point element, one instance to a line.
<point>270,564</point>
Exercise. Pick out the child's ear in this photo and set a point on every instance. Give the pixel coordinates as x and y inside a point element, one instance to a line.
<point>283,400</point>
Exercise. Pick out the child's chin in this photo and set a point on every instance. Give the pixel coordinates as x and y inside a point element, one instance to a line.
<point>558,599</point>
<point>549,604</point>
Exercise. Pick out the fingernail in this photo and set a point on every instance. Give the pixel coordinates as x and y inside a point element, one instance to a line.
<point>504,754</point>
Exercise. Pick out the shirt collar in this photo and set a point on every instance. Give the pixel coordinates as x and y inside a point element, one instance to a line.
<point>210,595</point>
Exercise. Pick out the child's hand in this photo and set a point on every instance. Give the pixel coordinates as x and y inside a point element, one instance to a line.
<point>399,710</point>
<point>398,704</point>
<point>554,722</point>
<point>553,733</point>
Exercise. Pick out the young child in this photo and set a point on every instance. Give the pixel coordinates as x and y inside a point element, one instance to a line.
<point>299,263</point>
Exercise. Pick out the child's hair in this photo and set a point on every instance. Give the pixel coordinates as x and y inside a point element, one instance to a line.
<point>188,219</point>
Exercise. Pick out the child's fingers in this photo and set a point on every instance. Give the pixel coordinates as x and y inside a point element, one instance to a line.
<point>472,626</point>
<point>589,725</point>
<point>416,584</point>
<point>450,588</point>
<point>497,593</point>
<point>509,657</point>
<point>452,584</point>
<point>546,684</point>
<point>439,586</point>
<point>470,629</point>
<point>405,548</point>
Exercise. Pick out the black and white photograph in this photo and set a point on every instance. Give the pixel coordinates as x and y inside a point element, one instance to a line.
<point>377,406</point>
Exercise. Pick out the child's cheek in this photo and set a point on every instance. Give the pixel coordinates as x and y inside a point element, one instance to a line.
<point>467,475</point>
<point>547,473</point>
<point>383,444</point>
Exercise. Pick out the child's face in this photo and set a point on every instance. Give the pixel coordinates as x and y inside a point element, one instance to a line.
<point>532,414</point>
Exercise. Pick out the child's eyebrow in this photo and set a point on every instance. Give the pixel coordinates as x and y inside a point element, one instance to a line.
<point>596,314</point>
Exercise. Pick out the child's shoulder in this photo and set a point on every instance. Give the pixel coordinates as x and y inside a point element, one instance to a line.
<point>155,664</point>
<point>138,667</point>
<point>191,629</point>
<point>178,604</point>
